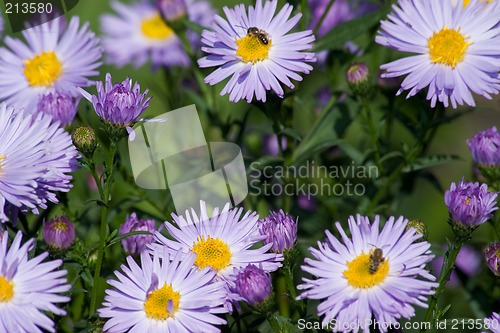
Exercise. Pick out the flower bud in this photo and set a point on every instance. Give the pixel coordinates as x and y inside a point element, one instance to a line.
<point>253,285</point>
<point>118,104</point>
<point>421,228</point>
<point>59,233</point>
<point>172,10</point>
<point>485,147</point>
<point>492,256</point>
<point>137,243</point>
<point>280,231</point>
<point>470,205</point>
<point>84,140</point>
<point>357,77</point>
<point>60,105</point>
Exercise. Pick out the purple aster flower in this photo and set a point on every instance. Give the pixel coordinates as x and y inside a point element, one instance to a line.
<point>56,56</point>
<point>172,10</point>
<point>29,288</point>
<point>485,147</point>
<point>223,241</point>
<point>138,243</point>
<point>138,34</point>
<point>492,323</point>
<point>492,256</point>
<point>307,202</point>
<point>35,157</point>
<point>119,104</point>
<point>340,11</point>
<point>59,233</point>
<point>458,49</point>
<point>256,51</point>
<point>470,204</point>
<point>164,294</point>
<point>280,230</point>
<point>270,144</point>
<point>60,105</point>
<point>253,285</point>
<point>373,273</point>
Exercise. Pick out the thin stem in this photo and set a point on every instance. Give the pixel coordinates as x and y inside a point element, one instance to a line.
<point>105,192</point>
<point>322,18</point>
<point>303,6</point>
<point>446,270</point>
<point>373,133</point>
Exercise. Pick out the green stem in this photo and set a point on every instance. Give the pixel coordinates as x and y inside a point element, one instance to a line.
<point>105,192</point>
<point>196,71</point>
<point>322,18</point>
<point>446,270</point>
<point>274,323</point>
<point>373,133</point>
<point>303,6</point>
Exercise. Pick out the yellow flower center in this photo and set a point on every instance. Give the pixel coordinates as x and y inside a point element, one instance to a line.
<point>448,47</point>
<point>6,290</point>
<point>466,2</point>
<point>157,304</point>
<point>59,226</point>
<point>497,254</point>
<point>155,28</point>
<point>358,272</point>
<point>251,49</point>
<point>43,69</point>
<point>211,252</point>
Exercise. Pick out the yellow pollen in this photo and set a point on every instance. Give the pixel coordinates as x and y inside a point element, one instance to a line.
<point>155,28</point>
<point>466,2</point>
<point>43,69</point>
<point>6,290</point>
<point>358,272</point>
<point>448,47</point>
<point>61,226</point>
<point>251,49</point>
<point>467,201</point>
<point>211,252</point>
<point>157,303</point>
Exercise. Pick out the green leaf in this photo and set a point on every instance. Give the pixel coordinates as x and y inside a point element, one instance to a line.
<point>292,133</point>
<point>128,234</point>
<point>194,26</point>
<point>324,134</point>
<point>430,161</point>
<point>264,161</point>
<point>347,31</point>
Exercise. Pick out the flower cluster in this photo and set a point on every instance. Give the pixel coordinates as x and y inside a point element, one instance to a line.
<point>223,267</point>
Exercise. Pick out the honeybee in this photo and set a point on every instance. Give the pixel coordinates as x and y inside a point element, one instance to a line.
<point>376,258</point>
<point>259,33</point>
